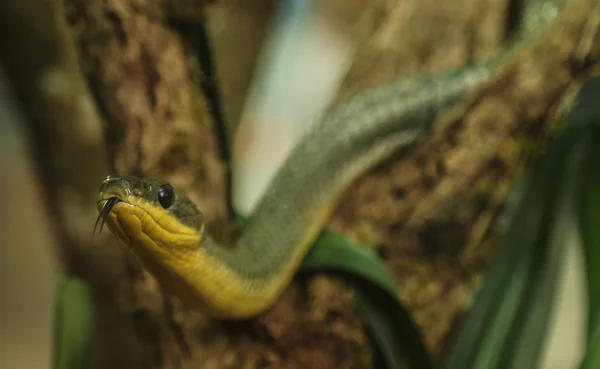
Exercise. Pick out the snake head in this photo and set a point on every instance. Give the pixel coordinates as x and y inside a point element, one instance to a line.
<point>142,211</point>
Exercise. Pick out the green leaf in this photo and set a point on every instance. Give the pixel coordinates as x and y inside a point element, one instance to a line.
<point>73,325</point>
<point>507,324</point>
<point>586,111</point>
<point>390,324</point>
<point>592,357</point>
<point>591,243</point>
<point>591,237</point>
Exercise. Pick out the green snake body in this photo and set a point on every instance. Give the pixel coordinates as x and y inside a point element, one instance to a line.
<point>246,278</point>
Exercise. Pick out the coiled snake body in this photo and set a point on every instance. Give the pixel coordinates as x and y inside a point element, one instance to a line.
<point>166,230</point>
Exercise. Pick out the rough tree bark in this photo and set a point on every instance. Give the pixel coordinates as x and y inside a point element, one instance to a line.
<point>428,212</point>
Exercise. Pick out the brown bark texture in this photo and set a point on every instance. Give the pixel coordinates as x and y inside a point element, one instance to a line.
<point>119,94</point>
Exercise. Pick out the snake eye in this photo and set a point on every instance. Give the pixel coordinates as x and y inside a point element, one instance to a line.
<point>166,196</point>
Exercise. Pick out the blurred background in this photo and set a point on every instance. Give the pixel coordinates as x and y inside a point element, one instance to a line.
<point>90,88</point>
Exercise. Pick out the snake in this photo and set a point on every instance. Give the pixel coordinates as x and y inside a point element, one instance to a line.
<point>166,230</point>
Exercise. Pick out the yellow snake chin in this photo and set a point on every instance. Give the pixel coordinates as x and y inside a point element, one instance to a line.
<point>137,221</point>
<point>164,247</point>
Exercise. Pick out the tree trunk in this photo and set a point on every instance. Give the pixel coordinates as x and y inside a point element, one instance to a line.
<point>429,212</point>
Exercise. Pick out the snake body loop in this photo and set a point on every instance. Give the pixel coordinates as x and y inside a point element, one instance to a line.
<point>166,230</point>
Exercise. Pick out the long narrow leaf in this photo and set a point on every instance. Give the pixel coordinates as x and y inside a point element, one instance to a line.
<point>390,324</point>
<point>592,357</point>
<point>587,112</point>
<point>591,242</point>
<point>534,317</point>
<point>591,236</point>
<point>507,324</point>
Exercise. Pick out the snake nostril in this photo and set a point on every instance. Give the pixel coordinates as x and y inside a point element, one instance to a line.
<point>110,179</point>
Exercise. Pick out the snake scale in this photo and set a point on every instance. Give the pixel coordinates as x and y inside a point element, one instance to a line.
<point>166,230</point>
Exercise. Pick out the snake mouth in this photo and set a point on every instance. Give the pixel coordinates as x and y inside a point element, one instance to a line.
<point>104,211</point>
